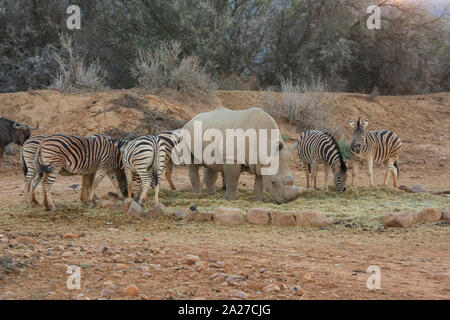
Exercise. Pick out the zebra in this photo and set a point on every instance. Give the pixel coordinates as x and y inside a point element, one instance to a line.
<point>374,146</point>
<point>27,154</point>
<point>144,157</point>
<point>170,140</point>
<point>316,147</point>
<point>95,155</point>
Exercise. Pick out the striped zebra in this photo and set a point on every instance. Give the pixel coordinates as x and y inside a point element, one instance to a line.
<point>144,157</point>
<point>318,147</point>
<point>27,154</point>
<point>170,140</point>
<point>96,155</point>
<point>374,146</point>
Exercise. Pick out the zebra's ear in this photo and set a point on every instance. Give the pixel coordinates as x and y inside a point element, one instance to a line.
<point>366,123</point>
<point>352,123</point>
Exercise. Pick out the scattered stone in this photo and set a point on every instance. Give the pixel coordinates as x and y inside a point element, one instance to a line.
<point>446,214</point>
<point>429,215</point>
<point>110,196</point>
<point>146,239</point>
<point>254,285</point>
<point>241,295</point>
<point>191,259</point>
<point>26,240</point>
<point>135,210</point>
<point>107,203</point>
<point>126,205</point>
<point>312,218</point>
<point>298,291</point>
<point>201,216</point>
<point>70,236</point>
<point>230,216</point>
<point>402,219</point>
<point>109,284</point>
<point>157,211</point>
<point>417,188</point>
<point>307,277</point>
<point>282,219</point>
<point>106,293</point>
<point>131,291</point>
<point>67,254</point>
<point>258,216</point>
<point>271,287</point>
<point>182,213</point>
<point>219,277</point>
<point>234,277</point>
<point>193,208</point>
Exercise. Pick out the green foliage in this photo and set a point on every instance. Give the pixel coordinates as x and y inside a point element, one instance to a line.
<point>344,146</point>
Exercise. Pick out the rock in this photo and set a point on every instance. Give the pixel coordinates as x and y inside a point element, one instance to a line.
<point>107,203</point>
<point>67,254</point>
<point>110,196</point>
<point>109,284</point>
<point>446,214</point>
<point>201,216</point>
<point>230,216</point>
<point>417,188</point>
<point>106,293</point>
<point>234,278</point>
<point>126,205</point>
<point>312,218</point>
<point>402,219</point>
<point>70,236</point>
<point>429,215</point>
<point>283,219</point>
<point>26,240</point>
<point>307,277</point>
<point>219,277</point>
<point>258,216</point>
<point>146,239</point>
<point>191,259</point>
<point>271,287</point>
<point>131,291</point>
<point>135,210</point>
<point>158,210</point>
<point>182,213</point>
<point>298,291</point>
<point>254,285</point>
<point>241,295</point>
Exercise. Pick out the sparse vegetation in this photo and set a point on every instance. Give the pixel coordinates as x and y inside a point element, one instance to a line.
<point>344,146</point>
<point>74,74</point>
<point>163,67</point>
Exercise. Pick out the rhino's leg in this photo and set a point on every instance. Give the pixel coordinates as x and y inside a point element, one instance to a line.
<point>195,177</point>
<point>210,180</point>
<point>258,188</point>
<point>231,173</point>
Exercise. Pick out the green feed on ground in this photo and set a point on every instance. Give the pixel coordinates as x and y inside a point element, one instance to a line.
<point>362,210</point>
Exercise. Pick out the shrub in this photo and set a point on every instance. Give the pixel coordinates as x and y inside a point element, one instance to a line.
<point>73,74</point>
<point>301,104</point>
<point>161,67</point>
<point>237,81</point>
<point>344,146</point>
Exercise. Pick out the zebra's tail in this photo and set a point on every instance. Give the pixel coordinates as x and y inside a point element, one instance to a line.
<point>156,166</point>
<point>40,168</point>
<point>24,165</point>
<point>398,170</point>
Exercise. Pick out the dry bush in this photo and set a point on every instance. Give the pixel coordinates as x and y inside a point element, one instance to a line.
<point>301,104</point>
<point>161,67</point>
<point>73,74</point>
<point>154,122</point>
<point>238,82</point>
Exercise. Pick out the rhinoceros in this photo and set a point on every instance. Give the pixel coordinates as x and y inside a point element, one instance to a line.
<point>278,185</point>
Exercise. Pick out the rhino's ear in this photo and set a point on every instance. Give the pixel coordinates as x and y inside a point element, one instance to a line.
<point>352,123</point>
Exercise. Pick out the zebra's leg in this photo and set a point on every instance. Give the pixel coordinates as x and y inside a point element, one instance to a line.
<point>137,186</point>
<point>306,167</point>
<point>386,175</point>
<point>86,183</point>
<point>30,199</point>
<point>129,176</point>
<point>99,175</point>
<point>157,194</point>
<point>113,178</point>
<point>393,169</point>
<point>355,168</point>
<point>169,173</point>
<point>370,170</point>
<point>33,186</point>
<point>326,169</point>
<point>314,166</point>
<point>145,178</point>
<point>47,182</point>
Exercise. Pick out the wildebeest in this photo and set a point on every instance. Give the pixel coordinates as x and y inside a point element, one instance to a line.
<point>13,132</point>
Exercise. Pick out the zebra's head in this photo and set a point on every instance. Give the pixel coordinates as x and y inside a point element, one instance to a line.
<point>359,137</point>
<point>340,177</point>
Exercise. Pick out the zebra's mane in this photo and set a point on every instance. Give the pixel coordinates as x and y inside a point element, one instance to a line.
<point>341,157</point>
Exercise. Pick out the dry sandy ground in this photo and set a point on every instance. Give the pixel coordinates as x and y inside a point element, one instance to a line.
<point>325,263</point>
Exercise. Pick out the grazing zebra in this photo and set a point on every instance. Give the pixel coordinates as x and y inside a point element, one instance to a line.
<point>96,155</point>
<point>170,141</point>
<point>316,147</point>
<point>27,154</point>
<point>144,157</point>
<point>374,146</point>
